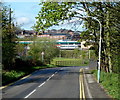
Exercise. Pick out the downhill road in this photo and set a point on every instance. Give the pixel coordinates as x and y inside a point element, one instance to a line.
<point>47,83</point>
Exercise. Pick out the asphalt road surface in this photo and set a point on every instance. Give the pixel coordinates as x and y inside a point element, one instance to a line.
<point>47,83</point>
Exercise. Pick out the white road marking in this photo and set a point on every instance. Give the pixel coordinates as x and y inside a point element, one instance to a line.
<point>30,93</point>
<point>42,84</point>
<point>48,79</point>
<point>52,75</point>
<point>56,72</point>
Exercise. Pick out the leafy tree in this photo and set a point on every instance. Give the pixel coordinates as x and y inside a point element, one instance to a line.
<point>20,49</point>
<point>52,13</point>
<point>107,12</point>
<point>8,38</point>
<point>43,45</point>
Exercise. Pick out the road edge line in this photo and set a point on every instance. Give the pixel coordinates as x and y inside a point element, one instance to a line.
<point>83,89</point>
<point>2,87</point>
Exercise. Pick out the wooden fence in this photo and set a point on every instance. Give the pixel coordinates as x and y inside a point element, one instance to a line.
<point>68,63</point>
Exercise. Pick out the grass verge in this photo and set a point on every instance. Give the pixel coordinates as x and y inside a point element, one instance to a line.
<point>70,62</point>
<point>110,82</point>
<point>14,75</point>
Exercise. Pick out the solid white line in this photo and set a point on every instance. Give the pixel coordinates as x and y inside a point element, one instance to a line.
<point>41,84</point>
<point>30,93</point>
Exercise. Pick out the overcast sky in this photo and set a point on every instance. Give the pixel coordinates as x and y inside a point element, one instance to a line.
<point>25,13</point>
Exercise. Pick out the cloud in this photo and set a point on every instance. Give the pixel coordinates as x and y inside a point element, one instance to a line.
<point>23,20</point>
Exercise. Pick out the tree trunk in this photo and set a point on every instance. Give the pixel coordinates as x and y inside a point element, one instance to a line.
<point>108,43</point>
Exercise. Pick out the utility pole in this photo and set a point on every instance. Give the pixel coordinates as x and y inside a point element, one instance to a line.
<point>42,57</point>
<point>100,40</point>
<point>89,54</point>
<point>10,25</point>
<point>10,16</point>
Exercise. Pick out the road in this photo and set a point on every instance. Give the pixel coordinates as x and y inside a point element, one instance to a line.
<point>47,83</point>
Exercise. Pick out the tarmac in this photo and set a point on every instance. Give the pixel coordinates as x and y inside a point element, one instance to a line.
<point>93,89</point>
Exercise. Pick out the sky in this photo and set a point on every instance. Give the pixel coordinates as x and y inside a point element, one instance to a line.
<point>25,12</point>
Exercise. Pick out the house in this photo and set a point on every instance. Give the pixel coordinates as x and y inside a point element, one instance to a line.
<point>55,36</point>
<point>83,47</point>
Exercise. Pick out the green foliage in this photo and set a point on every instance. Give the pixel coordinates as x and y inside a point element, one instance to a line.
<point>43,45</point>
<point>8,38</point>
<point>92,56</point>
<point>70,53</point>
<point>13,75</point>
<point>108,13</point>
<point>7,76</point>
<point>82,54</point>
<point>116,63</point>
<point>52,13</point>
<point>110,82</point>
<point>20,49</point>
<point>51,66</point>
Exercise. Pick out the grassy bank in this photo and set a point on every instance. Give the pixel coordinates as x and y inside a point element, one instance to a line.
<point>110,81</point>
<point>13,75</point>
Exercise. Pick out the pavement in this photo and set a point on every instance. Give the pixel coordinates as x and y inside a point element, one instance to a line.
<point>93,89</point>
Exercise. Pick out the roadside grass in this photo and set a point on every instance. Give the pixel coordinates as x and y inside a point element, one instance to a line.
<point>70,62</point>
<point>110,81</point>
<point>14,75</point>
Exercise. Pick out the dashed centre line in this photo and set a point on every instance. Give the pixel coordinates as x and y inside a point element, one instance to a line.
<point>40,85</point>
<point>52,75</point>
<point>55,72</point>
<point>30,93</point>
